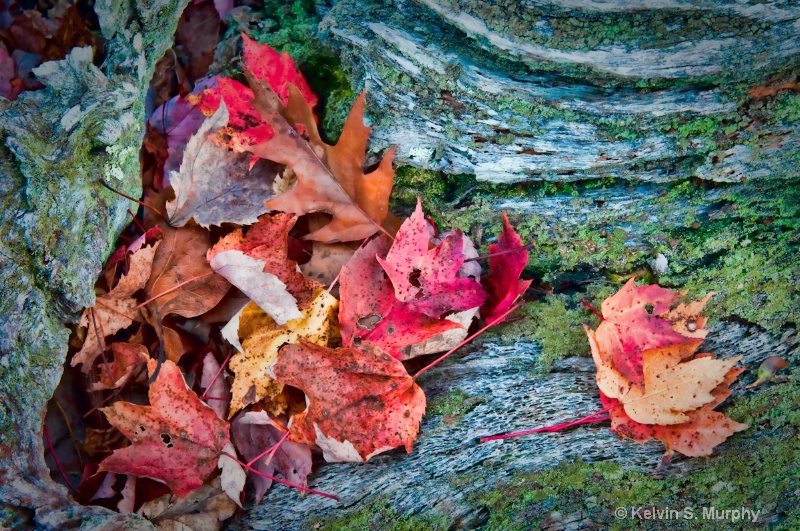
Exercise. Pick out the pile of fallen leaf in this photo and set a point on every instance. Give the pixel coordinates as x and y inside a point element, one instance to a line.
<point>652,381</point>
<point>269,303</point>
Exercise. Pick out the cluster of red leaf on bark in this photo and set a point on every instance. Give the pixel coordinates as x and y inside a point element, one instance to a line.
<point>653,382</point>
<point>261,224</point>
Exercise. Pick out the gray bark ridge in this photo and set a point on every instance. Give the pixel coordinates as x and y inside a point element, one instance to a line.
<point>545,90</point>
<point>59,225</point>
<point>448,468</point>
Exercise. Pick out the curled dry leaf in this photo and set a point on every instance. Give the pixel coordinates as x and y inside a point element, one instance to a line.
<point>503,285</point>
<point>267,240</point>
<point>767,370</point>
<point>116,310</point>
<point>261,337</point>
<point>177,439</point>
<point>215,186</point>
<point>360,402</point>
<point>254,433</point>
<point>205,508</point>
<point>232,478</point>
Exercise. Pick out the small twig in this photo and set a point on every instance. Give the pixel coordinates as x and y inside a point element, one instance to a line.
<point>136,221</point>
<point>507,251</point>
<point>58,464</point>
<point>100,340</point>
<point>173,288</point>
<point>129,198</point>
<point>287,483</point>
<point>444,356</point>
<point>71,433</point>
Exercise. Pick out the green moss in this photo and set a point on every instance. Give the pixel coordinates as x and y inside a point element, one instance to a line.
<point>452,406</point>
<point>379,515</point>
<point>757,469</point>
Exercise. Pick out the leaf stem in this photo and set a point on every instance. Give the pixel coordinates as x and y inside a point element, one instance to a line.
<point>129,198</point>
<point>214,379</point>
<point>444,356</point>
<point>269,451</point>
<point>591,309</point>
<point>283,481</point>
<point>173,288</point>
<point>597,416</point>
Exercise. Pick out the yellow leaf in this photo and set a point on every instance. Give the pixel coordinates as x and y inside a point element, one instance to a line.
<point>261,338</point>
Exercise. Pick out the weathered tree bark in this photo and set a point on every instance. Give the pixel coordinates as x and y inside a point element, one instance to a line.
<point>58,226</point>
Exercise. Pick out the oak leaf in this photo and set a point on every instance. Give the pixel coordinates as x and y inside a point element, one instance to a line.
<point>177,439</point>
<point>329,178</point>
<point>214,185</point>
<point>636,319</point>
<point>115,310</point>
<point>261,337</point>
<point>503,285</point>
<point>360,402</point>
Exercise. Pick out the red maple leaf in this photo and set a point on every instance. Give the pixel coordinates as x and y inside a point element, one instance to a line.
<point>636,319</point>
<point>360,402</point>
<point>177,439</point>
<point>503,284</point>
<point>393,312</point>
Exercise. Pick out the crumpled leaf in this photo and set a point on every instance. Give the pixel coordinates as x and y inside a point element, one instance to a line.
<point>503,285</point>
<point>267,241</point>
<point>232,477</point>
<point>370,310</point>
<point>360,402</point>
<point>177,439</point>
<point>115,310</point>
<point>178,120</point>
<point>204,509</point>
<point>697,437</point>
<point>254,433</point>
<point>181,257</point>
<point>638,319</point>
<point>265,289</point>
<point>327,261</point>
<point>261,337</point>
<point>215,186</point>
<point>119,370</point>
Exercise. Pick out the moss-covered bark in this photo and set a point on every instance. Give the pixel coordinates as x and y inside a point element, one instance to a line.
<point>59,225</point>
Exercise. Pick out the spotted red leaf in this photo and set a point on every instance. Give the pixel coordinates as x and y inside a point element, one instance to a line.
<point>360,402</point>
<point>177,439</point>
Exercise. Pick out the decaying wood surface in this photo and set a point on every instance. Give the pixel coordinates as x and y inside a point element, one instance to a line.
<point>448,466</point>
